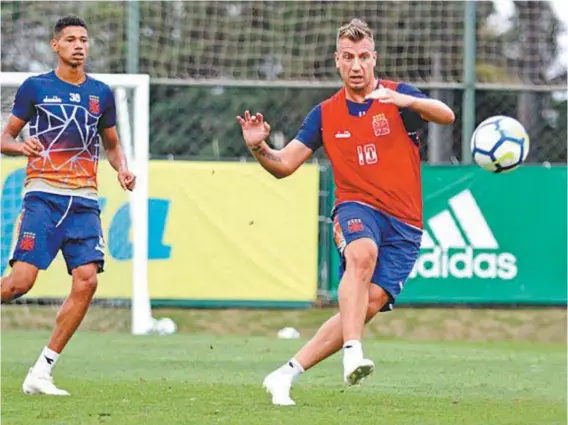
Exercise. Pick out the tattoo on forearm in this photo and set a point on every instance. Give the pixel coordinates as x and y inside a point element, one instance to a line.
<point>268,155</point>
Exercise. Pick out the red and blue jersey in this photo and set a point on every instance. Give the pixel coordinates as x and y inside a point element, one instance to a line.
<point>67,120</point>
<point>374,151</point>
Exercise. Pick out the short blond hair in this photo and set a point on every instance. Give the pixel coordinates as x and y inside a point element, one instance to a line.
<point>356,30</point>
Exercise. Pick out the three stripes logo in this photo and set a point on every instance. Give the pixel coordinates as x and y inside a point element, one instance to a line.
<point>463,245</point>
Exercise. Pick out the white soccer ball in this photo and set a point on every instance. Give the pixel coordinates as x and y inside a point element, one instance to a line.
<point>500,144</point>
<point>165,326</point>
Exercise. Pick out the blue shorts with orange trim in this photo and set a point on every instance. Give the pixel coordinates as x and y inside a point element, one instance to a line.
<point>398,243</point>
<point>50,223</point>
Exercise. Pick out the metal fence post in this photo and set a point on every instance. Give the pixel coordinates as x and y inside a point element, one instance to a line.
<point>468,107</point>
<point>133,41</point>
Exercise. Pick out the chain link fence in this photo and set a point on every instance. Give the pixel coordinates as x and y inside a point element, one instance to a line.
<point>209,61</point>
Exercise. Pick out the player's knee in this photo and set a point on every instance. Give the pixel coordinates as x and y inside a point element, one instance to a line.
<point>377,299</point>
<point>20,281</point>
<point>361,257</point>
<point>85,281</point>
<point>16,287</point>
<point>373,308</point>
<point>86,286</point>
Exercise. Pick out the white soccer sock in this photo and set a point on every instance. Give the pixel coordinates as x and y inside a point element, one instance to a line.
<point>46,361</point>
<point>352,351</point>
<point>293,368</point>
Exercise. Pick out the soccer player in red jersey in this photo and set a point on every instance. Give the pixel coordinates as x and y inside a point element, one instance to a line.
<point>370,132</point>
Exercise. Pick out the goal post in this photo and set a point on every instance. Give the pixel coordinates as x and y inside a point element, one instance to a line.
<point>134,132</point>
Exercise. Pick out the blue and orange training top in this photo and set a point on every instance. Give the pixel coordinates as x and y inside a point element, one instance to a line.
<point>66,119</point>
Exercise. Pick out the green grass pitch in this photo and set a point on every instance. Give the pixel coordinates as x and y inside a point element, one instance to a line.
<point>115,378</point>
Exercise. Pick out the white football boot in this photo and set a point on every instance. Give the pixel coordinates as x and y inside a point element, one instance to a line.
<point>36,383</point>
<point>355,372</point>
<point>279,384</point>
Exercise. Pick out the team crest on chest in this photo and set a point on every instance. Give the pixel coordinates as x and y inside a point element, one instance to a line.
<point>381,125</point>
<point>94,105</point>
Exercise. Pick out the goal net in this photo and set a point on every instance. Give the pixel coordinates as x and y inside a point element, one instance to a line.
<point>124,217</point>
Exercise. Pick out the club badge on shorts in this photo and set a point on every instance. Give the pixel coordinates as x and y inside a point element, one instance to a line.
<point>355,225</point>
<point>27,242</point>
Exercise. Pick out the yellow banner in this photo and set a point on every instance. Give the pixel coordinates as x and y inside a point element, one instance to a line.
<point>217,231</point>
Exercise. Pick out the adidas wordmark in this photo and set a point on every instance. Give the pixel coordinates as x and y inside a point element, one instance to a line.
<point>452,255</point>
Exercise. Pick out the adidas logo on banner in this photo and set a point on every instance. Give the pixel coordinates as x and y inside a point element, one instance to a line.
<point>470,252</point>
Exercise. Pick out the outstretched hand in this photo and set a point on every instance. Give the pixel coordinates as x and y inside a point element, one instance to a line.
<point>255,129</point>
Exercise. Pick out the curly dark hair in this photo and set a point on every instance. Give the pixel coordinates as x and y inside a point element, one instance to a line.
<point>68,21</point>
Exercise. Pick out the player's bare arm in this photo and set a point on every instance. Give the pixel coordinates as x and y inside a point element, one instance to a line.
<point>280,163</point>
<point>117,159</point>
<point>429,109</point>
<point>9,144</point>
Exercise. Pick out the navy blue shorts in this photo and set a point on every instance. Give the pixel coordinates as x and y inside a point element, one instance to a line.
<point>49,223</point>
<point>398,243</point>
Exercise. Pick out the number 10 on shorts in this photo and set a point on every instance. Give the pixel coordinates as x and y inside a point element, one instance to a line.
<point>367,154</point>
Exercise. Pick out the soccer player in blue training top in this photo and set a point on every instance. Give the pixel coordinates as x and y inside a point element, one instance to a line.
<point>68,113</point>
